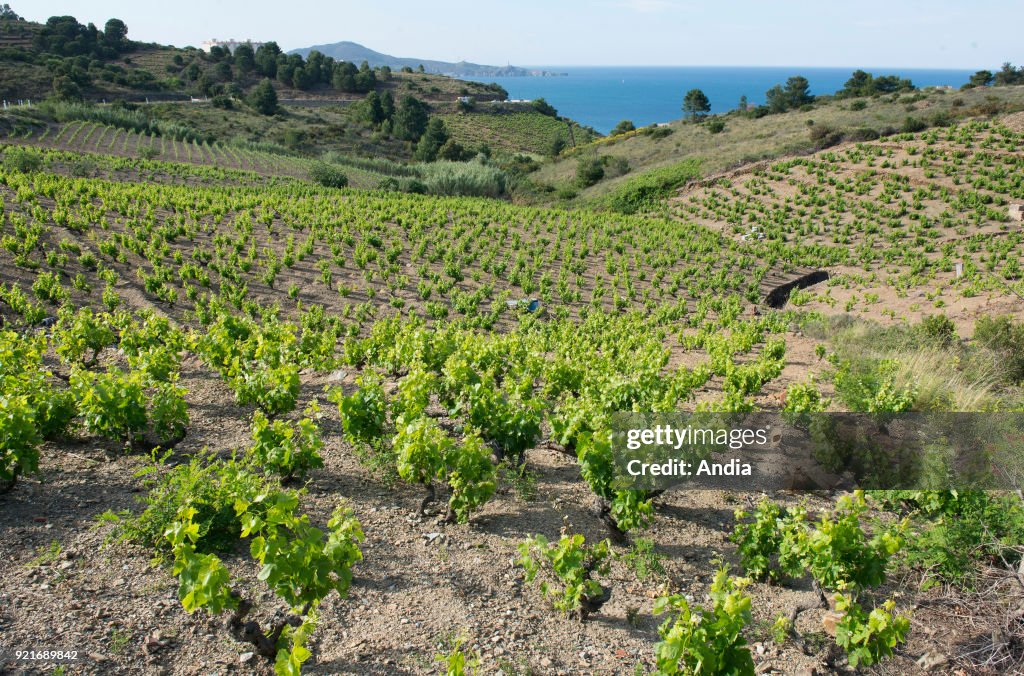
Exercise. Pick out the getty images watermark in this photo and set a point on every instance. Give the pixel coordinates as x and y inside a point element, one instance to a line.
<point>821,451</point>
<point>677,438</point>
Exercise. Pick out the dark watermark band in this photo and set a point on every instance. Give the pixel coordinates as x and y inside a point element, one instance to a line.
<point>818,451</point>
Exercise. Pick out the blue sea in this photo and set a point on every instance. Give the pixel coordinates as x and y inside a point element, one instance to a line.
<point>602,96</point>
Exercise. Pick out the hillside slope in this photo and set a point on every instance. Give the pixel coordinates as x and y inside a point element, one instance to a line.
<point>892,220</point>
<point>747,139</point>
<point>237,295</point>
<point>356,53</point>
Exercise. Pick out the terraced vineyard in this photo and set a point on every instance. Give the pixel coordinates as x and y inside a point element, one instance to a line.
<point>517,131</point>
<point>90,137</point>
<point>349,445</point>
<point>747,139</point>
<point>892,218</point>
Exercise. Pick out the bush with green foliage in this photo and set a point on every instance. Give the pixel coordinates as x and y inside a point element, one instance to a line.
<point>573,565</point>
<point>273,389</point>
<point>19,439</point>
<point>111,404</point>
<point>802,400</point>
<point>81,335</point>
<point>364,412</point>
<point>957,533</point>
<point>759,541</point>
<point>1005,337</point>
<point>125,406</point>
<point>467,179</point>
<point>259,360</point>
<point>207,484</point>
<point>426,454</point>
<point>837,552</point>
<point>543,107</point>
<point>589,170</point>
<point>263,98</point>
<point>24,160</point>
<point>912,125</point>
<point>622,127</point>
<point>300,563</point>
<point>824,136</point>
<point>938,329</point>
<point>869,638</point>
<point>870,387</point>
<point>287,449</point>
<point>644,191</point>
<point>706,641</point>
<point>327,175</point>
<point>49,406</point>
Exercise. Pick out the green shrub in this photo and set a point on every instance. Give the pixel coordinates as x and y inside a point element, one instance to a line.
<point>623,127</point>
<point>824,136</point>
<point>289,450</point>
<point>273,389</point>
<point>645,190</point>
<point>912,125</point>
<point>938,329</point>
<point>111,404</point>
<point>468,179</point>
<point>18,439</point>
<point>364,412</point>
<point>208,485</point>
<point>572,564</point>
<point>702,641</point>
<point>589,170</point>
<point>327,175</point>
<point>22,159</point>
<point>414,186</point>
<point>869,638</point>
<point>837,552</point>
<point>82,335</point>
<point>958,532</point>
<point>1005,337</point>
<point>223,102</point>
<point>656,132</point>
<point>758,541</point>
<point>715,125</point>
<point>869,386</point>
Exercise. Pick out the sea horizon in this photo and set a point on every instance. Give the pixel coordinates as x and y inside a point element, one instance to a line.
<point>601,96</point>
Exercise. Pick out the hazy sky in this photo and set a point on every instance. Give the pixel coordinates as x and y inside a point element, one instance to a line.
<point>869,33</point>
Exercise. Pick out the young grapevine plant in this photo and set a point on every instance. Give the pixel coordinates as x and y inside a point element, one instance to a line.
<point>425,454</point>
<point>572,564</point>
<point>868,638</point>
<point>300,564</point>
<point>287,449</point>
<point>706,641</point>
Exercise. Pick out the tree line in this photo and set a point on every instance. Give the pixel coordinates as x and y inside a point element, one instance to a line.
<point>1006,76</point>
<point>292,70</point>
<point>796,93</point>
<point>65,36</point>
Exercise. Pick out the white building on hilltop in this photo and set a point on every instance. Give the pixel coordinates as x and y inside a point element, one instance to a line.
<point>229,45</point>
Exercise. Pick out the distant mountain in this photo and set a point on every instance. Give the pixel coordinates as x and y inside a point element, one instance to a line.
<point>356,53</point>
